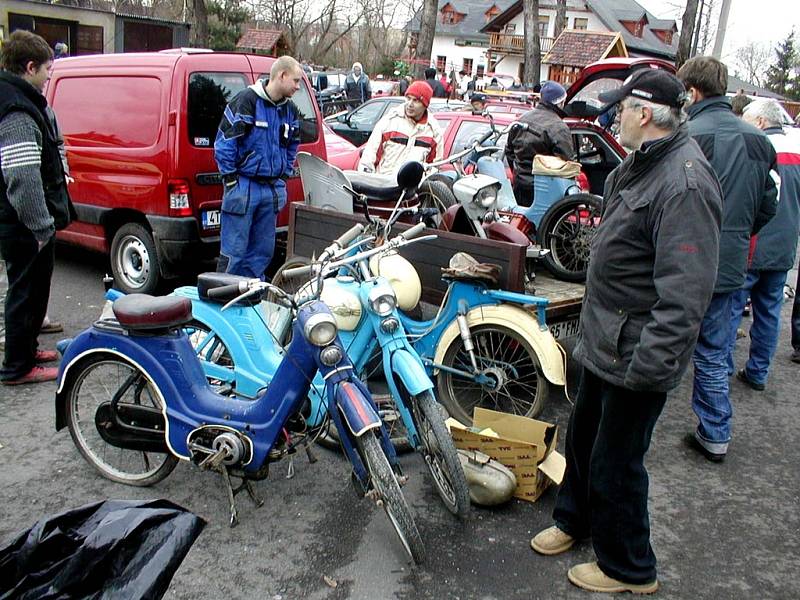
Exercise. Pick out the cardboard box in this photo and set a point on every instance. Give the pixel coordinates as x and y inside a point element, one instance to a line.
<point>526,446</point>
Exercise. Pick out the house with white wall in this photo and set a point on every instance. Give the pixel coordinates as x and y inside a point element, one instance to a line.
<point>488,35</point>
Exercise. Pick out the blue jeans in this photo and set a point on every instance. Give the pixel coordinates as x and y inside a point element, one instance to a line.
<point>796,315</point>
<point>765,289</point>
<point>710,398</point>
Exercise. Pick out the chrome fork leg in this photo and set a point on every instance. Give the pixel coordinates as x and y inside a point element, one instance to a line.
<point>466,337</point>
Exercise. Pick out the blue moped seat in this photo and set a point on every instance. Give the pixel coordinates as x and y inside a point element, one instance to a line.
<point>140,312</point>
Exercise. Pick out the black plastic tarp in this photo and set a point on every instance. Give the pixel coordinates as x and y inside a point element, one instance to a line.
<point>112,549</point>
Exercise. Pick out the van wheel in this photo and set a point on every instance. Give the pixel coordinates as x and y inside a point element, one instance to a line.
<point>134,260</point>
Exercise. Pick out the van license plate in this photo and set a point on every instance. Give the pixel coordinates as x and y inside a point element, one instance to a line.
<point>565,329</point>
<point>210,219</point>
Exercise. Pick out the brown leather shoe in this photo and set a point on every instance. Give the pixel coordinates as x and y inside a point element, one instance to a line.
<point>45,356</point>
<point>35,375</point>
<point>589,577</point>
<point>552,541</point>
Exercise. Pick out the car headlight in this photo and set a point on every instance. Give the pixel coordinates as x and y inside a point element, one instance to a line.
<point>320,329</point>
<point>382,302</point>
<point>487,196</point>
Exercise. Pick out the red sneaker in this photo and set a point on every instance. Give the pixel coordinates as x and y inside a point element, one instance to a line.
<point>35,375</point>
<point>44,356</point>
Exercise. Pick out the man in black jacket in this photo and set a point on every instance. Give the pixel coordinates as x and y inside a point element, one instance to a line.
<point>654,259</point>
<point>436,85</point>
<point>546,134</point>
<point>743,159</point>
<point>33,204</point>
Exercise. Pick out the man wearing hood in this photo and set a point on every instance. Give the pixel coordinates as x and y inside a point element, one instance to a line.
<point>357,87</point>
<point>546,134</point>
<point>255,150</point>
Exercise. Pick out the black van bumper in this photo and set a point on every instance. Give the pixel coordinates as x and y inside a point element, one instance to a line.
<point>179,245</point>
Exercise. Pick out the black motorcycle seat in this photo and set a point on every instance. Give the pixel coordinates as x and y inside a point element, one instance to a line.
<point>140,312</point>
<point>374,186</point>
<point>211,280</point>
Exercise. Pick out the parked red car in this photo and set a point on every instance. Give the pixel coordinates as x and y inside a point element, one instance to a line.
<point>139,131</point>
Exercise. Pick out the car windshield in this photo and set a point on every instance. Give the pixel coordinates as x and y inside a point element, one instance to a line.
<point>590,93</point>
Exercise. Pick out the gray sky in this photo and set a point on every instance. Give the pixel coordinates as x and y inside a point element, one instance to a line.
<point>766,21</point>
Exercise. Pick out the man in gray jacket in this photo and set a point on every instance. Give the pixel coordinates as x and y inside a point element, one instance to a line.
<point>774,250</point>
<point>742,158</point>
<point>654,259</point>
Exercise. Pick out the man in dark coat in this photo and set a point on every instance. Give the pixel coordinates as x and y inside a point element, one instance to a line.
<point>436,85</point>
<point>546,134</point>
<point>34,203</point>
<point>654,259</point>
<point>742,158</point>
<point>774,250</point>
<point>357,87</point>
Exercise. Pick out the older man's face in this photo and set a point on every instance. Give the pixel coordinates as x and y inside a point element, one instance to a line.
<point>630,127</point>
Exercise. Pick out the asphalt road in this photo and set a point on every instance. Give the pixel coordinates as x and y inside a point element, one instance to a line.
<point>727,530</point>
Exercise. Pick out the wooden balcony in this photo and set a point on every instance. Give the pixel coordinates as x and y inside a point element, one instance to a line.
<point>515,44</point>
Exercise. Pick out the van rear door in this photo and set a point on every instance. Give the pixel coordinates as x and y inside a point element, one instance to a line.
<point>203,85</point>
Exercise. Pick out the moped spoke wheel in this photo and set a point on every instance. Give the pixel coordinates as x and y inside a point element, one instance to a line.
<point>95,383</point>
<point>440,455</point>
<point>208,346</point>
<point>386,486</point>
<point>567,231</point>
<point>511,377</point>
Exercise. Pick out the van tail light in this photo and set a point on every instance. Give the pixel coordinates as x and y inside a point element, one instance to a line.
<point>178,190</point>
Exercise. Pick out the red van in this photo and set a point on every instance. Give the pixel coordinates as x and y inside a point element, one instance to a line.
<point>139,131</point>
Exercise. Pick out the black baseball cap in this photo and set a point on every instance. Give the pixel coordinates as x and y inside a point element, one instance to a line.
<point>655,85</point>
<point>477,97</point>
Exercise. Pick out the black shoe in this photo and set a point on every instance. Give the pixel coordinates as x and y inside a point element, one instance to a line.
<point>741,375</point>
<point>796,356</point>
<point>694,444</point>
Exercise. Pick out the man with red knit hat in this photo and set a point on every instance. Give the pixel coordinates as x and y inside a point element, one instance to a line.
<point>407,132</point>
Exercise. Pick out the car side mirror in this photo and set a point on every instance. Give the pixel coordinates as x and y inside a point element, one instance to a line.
<point>410,174</point>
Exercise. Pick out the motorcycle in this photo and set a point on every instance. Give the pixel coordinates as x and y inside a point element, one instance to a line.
<point>472,323</point>
<point>365,307</point>
<point>135,399</point>
<point>557,227</point>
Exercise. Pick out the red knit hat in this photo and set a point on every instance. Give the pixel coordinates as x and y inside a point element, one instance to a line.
<point>421,91</point>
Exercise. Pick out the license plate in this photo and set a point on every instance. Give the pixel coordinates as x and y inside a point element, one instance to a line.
<point>210,219</point>
<point>565,329</point>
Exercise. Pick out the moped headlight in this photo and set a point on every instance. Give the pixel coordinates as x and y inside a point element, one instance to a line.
<point>330,356</point>
<point>486,197</point>
<point>382,302</point>
<point>320,329</point>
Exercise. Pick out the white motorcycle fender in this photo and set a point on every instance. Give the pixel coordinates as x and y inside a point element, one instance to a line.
<point>547,350</point>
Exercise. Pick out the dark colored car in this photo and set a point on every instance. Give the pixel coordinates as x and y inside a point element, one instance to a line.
<point>357,125</point>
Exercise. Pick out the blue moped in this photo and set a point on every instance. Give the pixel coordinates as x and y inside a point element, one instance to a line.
<point>136,400</point>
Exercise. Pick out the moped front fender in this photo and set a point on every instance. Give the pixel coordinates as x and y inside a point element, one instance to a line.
<point>506,233</point>
<point>520,321</point>
<point>410,371</point>
<point>358,412</point>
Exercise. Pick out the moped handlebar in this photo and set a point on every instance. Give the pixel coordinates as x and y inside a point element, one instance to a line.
<point>298,271</point>
<point>413,231</point>
<point>476,146</point>
<point>227,290</point>
<point>349,235</point>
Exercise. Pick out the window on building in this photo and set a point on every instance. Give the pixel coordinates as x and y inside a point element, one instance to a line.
<point>580,23</point>
<point>480,71</point>
<point>544,25</point>
<point>441,63</point>
<point>510,28</point>
<point>467,66</point>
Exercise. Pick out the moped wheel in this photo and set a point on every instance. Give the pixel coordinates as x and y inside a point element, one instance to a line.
<point>290,285</point>
<point>434,193</point>
<point>96,382</point>
<point>386,486</point>
<point>440,455</point>
<point>567,230</point>
<point>215,350</point>
<point>514,380</point>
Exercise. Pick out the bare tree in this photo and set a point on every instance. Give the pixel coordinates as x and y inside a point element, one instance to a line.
<point>201,23</point>
<point>752,61</point>
<point>561,17</point>
<point>687,32</point>
<point>533,56</point>
<point>427,31</point>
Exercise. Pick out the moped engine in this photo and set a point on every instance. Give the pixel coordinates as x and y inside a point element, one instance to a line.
<point>219,446</point>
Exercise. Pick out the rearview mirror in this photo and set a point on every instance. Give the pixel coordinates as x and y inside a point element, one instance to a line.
<point>410,174</point>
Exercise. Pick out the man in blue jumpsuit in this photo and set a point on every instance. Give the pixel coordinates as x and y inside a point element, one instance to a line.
<point>255,150</point>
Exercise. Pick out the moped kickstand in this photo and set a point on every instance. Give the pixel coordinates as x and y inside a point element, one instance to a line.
<point>247,486</point>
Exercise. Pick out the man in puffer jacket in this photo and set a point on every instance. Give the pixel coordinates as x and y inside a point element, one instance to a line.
<point>255,150</point>
<point>774,252</point>
<point>742,158</point>
<point>407,132</point>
